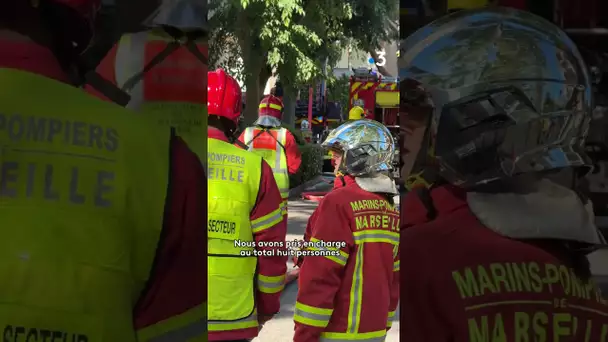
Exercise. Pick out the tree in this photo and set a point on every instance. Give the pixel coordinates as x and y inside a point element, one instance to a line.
<point>225,53</point>
<point>337,91</point>
<point>372,23</point>
<point>296,38</point>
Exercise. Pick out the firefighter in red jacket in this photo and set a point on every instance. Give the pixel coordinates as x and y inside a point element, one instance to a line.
<point>245,209</point>
<point>493,248</point>
<point>119,255</point>
<point>274,143</point>
<point>348,286</point>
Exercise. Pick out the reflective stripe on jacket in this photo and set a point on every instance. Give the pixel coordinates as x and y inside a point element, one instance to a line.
<point>270,145</point>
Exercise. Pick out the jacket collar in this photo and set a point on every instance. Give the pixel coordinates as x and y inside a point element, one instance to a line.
<point>215,133</point>
<point>344,181</point>
<point>445,199</point>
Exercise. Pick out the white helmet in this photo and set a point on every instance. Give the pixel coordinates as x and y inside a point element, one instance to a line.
<point>185,15</point>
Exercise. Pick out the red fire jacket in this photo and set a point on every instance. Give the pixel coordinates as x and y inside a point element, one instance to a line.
<point>472,284</point>
<point>292,152</point>
<point>353,293</point>
<point>268,200</point>
<point>178,280</point>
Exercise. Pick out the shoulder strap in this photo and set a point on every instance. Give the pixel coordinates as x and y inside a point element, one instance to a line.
<point>265,129</point>
<point>107,88</point>
<point>241,144</point>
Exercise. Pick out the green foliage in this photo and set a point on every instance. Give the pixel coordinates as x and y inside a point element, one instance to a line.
<point>372,23</point>
<point>337,91</point>
<point>300,52</point>
<point>297,134</point>
<point>224,49</point>
<point>312,165</point>
<point>295,37</point>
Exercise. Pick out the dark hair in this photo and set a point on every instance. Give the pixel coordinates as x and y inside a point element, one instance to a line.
<point>223,124</point>
<point>21,17</point>
<point>50,25</point>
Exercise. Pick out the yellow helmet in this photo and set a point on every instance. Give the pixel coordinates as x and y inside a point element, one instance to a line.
<point>356,113</point>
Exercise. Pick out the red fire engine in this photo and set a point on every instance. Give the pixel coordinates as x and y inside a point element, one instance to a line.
<point>379,96</point>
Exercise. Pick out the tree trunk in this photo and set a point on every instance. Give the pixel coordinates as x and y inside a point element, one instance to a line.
<point>265,73</point>
<point>381,69</point>
<point>252,98</point>
<point>290,96</point>
<point>253,62</point>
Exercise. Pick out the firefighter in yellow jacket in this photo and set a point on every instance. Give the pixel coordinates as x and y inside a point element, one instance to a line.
<point>244,207</point>
<point>101,225</point>
<point>274,143</point>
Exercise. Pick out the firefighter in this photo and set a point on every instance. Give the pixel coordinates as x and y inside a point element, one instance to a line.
<point>244,210</point>
<point>491,243</point>
<point>348,283</point>
<point>356,113</point>
<point>162,69</point>
<point>92,239</point>
<point>274,143</point>
<point>457,5</point>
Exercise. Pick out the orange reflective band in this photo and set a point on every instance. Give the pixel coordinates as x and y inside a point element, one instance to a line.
<point>265,141</point>
<point>270,105</point>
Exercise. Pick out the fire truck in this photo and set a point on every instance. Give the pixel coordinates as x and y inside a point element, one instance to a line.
<point>379,96</point>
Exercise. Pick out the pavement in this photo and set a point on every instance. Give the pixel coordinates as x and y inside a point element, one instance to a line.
<point>280,328</point>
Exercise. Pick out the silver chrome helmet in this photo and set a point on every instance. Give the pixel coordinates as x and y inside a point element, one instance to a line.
<point>186,15</point>
<point>367,147</point>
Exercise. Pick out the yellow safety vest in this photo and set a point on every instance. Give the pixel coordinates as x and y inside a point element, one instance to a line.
<point>233,179</point>
<point>133,53</point>
<point>271,147</point>
<point>466,4</point>
<point>82,194</point>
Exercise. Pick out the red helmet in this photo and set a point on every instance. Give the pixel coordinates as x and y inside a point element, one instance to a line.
<point>224,95</point>
<point>78,23</point>
<point>272,106</point>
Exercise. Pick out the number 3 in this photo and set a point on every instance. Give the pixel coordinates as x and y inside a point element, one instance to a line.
<point>381,57</point>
